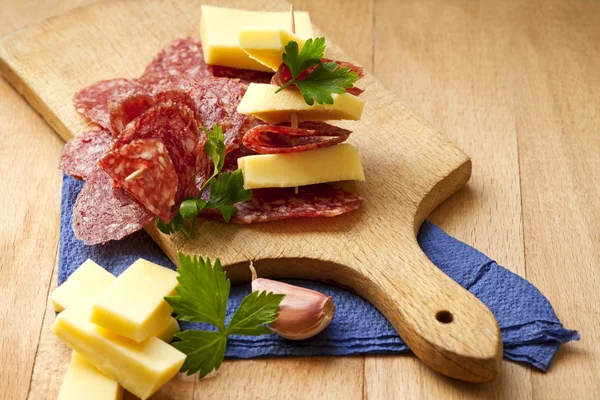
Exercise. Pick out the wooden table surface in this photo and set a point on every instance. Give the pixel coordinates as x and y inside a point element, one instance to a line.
<point>516,84</point>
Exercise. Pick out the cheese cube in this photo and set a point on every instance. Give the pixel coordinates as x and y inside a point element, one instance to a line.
<point>133,305</point>
<point>87,282</point>
<point>261,101</point>
<point>267,45</point>
<point>220,26</point>
<point>84,381</point>
<point>142,368</point>
<point>168,330</point>
<point>329,164</point>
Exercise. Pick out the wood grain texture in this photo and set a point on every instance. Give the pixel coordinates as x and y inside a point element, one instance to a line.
<point>376,252</point>
<point>560,47</point>
<point>557,93</point>
<point>466,91</point>
<point>28,151</point>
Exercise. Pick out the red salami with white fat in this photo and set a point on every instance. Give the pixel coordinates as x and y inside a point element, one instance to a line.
<point>311,201</point>
<point>155,183</point>
<point>175,126</point>
<point>80,154</point>
<point>123,112</point>
<point>244,75</point>
<point>92,101</point>
<point>211,108</point>
<point>182,56</point>
<point>273,139</point>
<point>283,74</point>
<point>103,212</point>
<point>230,91</point>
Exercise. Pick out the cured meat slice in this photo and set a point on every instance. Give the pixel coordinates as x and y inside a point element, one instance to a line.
<point>182,56</point>
<point>175,126</point>
<point>92,102</point>
<point>213,110</point>
<point>156,182</point>
<point>79,156</point>
<point>231,163</point>
<point>230,91</point>
<point>283,74</point>
<point>272,139</point>
<point>312,201</point>
<point>103,212</point>
<point>210,107</point>
<point>123,112</point>
<point>178,96</point>
<point>244,75</point>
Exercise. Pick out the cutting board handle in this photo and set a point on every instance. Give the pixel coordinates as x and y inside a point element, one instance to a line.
<point>447,327</point>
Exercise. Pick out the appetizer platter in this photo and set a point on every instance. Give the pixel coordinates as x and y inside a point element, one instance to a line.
<point>239,131</point>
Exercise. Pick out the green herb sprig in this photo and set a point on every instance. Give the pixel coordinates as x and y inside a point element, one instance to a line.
<point>202,296</point>
<point>325,79</point>
<point>226,189</point>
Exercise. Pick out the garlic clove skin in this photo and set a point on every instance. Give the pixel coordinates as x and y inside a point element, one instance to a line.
<point>303,313</point>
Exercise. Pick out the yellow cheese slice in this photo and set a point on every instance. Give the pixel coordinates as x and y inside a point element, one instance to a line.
<point>87,282</point>
<point>220,26</point>
<point>142,368</point>
<point>84,381</point>
<point>267,45</point>
<point>168,330</point>
<point>329,164</point>
<point>261,101</point>
<point>133,305</point>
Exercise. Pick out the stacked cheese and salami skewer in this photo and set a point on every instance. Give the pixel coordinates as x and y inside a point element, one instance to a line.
<point>293,154</point>
<point>143,153</point>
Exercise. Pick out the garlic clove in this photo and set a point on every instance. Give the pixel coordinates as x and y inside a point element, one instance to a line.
<point>303,313</point>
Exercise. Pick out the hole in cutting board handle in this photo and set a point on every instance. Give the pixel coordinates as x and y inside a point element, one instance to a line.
<point>444,316</point>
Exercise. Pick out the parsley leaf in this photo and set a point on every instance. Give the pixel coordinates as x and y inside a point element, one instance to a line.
<point>205,350</point>
<point>202,297</point>
<point>202,291</point>
<point>325,79</point>
<point>256,309</point>
<point>215,149</point>
<point>311,54</point>
<point>226,190</point>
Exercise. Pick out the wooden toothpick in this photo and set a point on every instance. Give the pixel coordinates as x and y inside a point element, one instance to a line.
<point>137,174</point>
<point>294,116</point>
<point>293,19</point>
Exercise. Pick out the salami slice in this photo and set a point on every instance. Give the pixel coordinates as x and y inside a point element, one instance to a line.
<point>92,102</point>
<point>184,57</point>
<point>312,201</point>
<point>230,91</point>
<point>283,74</point>
<point>231,160</point>
<point>210,107</point>
<point>213,110</point>
<point>103,213</point>
<point>180,57</point>
<point>272,139</point>
<point>123,112</point>
<point>79,156</point>
<point>244,75</point>
<point>175,126</point>
<point>155,185</point>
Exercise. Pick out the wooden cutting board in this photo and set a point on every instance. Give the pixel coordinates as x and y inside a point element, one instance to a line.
<point>410,168</point>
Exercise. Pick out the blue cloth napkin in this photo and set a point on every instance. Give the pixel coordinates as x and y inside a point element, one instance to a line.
<point>531,332</point>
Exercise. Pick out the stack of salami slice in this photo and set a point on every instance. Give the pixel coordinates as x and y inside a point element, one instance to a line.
<point>143,154</point>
